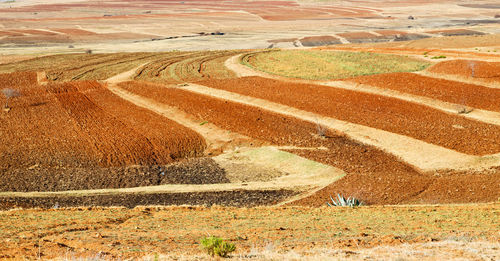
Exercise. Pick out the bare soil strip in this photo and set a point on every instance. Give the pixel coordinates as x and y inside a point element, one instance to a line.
<point>424,156</point>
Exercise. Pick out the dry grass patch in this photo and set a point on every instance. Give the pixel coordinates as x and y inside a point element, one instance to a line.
<point>325,65</point>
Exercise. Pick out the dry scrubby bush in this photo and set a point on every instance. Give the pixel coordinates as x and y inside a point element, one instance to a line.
<point>216,246</point>
<point>9,93</point>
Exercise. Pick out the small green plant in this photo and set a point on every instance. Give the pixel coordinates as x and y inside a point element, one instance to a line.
<point>216,246</point>
<point>439,57</point>
<point>343,202</point>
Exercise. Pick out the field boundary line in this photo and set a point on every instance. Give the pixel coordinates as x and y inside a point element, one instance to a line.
<point>425,156</point>
<point>486,116</point>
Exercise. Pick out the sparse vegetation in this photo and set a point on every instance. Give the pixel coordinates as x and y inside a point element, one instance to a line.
<point>216,246</point>
<point>439,57</point>
<point>325,65</point>
<point>343,202</point>
<point>9,93</point>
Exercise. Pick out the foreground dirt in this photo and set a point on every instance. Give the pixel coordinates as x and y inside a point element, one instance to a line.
<point>176,231</point>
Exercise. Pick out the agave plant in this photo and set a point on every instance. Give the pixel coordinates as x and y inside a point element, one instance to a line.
<point>343,202</point>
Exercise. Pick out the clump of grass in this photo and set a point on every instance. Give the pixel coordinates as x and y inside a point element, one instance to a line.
<point>439,57</point>
<point>343,202</point>
<point>326,65</point>
<point>216,246</point>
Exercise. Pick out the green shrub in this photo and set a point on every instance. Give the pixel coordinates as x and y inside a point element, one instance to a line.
<point>216,246</point>
<point>343,202</point>
<point>438,57</point>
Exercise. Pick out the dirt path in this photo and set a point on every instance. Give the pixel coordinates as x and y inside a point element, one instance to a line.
<point>490,117</point>
<point>424,156</point>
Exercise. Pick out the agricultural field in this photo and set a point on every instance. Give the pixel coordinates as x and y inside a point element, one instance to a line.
<point>136,133</point>
<point>320,65</point>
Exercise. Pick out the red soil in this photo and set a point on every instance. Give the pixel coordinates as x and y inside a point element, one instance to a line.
<point>78,124</point>
<point>373,175</point>
<point>471,95</point>
<point>7,33</point>
<point>376,111</point>
<point>485,71</point>
<point>319,40</point>
<point>283,40</point>
<point>357,35</point>
<point>390,32</point>
<point>34,32</point>
<point>454,32</point>
<point>455,188</point>
<point>342,152</point>
<point>76,32</point>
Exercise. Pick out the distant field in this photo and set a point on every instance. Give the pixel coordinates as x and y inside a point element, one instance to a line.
<point>321,65</point>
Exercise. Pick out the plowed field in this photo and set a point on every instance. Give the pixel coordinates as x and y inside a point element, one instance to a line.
<point>471,95</point>
<point>380,112</point>
<point>484,71</point>
<point>187,66</point>
<point>373,175</point>
<point>82,125</point>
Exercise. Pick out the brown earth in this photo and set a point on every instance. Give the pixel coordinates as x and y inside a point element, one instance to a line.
<point>484,71</point>
<point>471,95</point>
<point>187,66</point>
<point>71,67</point>
<point>34,32</point>
<point>83,125</point>
<point>71,31</point>
<point>233,198</point>
<point>376,111</point>
<point>37,178</point>
<point>372,175</point>
<point>455,32</point>
<point>319,40</point>
<point>364,37</point>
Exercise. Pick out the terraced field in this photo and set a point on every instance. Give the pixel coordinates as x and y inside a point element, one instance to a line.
<point>387,138</point>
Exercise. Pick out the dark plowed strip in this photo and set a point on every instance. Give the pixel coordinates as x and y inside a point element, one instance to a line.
<point>192,171</point>
<point>475,96</point>
<point>238,198</point>
<point>390,114</point>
